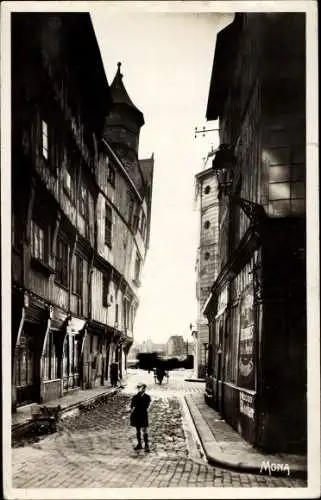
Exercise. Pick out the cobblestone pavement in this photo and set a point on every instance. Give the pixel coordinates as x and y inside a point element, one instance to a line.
<point>94,448</point>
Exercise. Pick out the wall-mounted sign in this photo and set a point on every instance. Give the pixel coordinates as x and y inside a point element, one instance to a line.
<point>247,405</point>
<point>246,363</point>
<point>222,301</point>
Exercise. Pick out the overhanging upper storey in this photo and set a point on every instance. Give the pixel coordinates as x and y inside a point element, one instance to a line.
<point>223,67</point>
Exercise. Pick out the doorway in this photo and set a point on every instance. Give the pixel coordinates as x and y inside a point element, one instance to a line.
<point>28,366</point>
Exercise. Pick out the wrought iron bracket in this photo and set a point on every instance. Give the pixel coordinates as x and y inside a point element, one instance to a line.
<point>255,212</point>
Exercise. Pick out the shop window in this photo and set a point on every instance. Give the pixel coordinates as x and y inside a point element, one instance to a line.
<point>44,140</point>
<point>70,361</point>
<point>62,275</point>
<point>25,367</point>
<point>108,225</point>
<point>50,358</point>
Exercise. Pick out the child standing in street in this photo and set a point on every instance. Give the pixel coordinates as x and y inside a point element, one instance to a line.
<point>139,416</point>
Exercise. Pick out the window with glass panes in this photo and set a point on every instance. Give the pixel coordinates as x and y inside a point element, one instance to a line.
<point>62,262</point>
<point>50,360</point>
<point>84,201</point>
<point>69,183</point>
<point>37,241</point>
<point>105,290</point>
<point>286,178</point>
<point>77,275</point>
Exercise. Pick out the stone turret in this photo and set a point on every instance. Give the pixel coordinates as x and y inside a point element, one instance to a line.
<point>123,124</point>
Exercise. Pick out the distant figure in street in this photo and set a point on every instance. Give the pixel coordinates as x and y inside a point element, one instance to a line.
<point>114,377</point>
<point>139,416</point>
<point>160,374</point>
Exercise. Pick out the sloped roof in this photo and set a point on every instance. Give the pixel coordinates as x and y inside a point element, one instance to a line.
<point>147,166</point>
<point>119,93</point>
<point>223,67</point>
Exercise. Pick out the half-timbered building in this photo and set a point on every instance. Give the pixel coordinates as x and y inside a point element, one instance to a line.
<point>74,250</point>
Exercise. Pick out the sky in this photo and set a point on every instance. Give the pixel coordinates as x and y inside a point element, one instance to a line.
<point>166,65</point>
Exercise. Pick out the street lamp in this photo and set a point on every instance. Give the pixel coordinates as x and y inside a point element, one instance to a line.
<point>224,164</point>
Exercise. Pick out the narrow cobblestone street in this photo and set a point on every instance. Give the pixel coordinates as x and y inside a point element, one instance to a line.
<point>94,448</point>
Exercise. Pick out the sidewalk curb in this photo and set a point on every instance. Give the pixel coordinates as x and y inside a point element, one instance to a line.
<point>202,380</point>
<point>24,426</point>
<point>215,455</point>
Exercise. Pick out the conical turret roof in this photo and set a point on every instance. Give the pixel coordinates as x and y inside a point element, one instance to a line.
<point>120,96</point>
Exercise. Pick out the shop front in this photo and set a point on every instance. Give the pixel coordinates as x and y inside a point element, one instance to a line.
<point>234,321</point>
<point>52,355</point>
<point>72,353</point>
<point>239,407</point>
<point>28,340</point>
<point>97,354</point>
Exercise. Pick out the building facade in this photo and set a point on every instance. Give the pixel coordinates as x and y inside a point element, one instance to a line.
<point>257,305</point>
<point>76,251</point>
<point>177,347</point>
<point>207,260</point>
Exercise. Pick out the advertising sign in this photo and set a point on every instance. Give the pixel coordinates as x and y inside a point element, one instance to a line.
<point>246,346</point>
<point>247,405</point>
